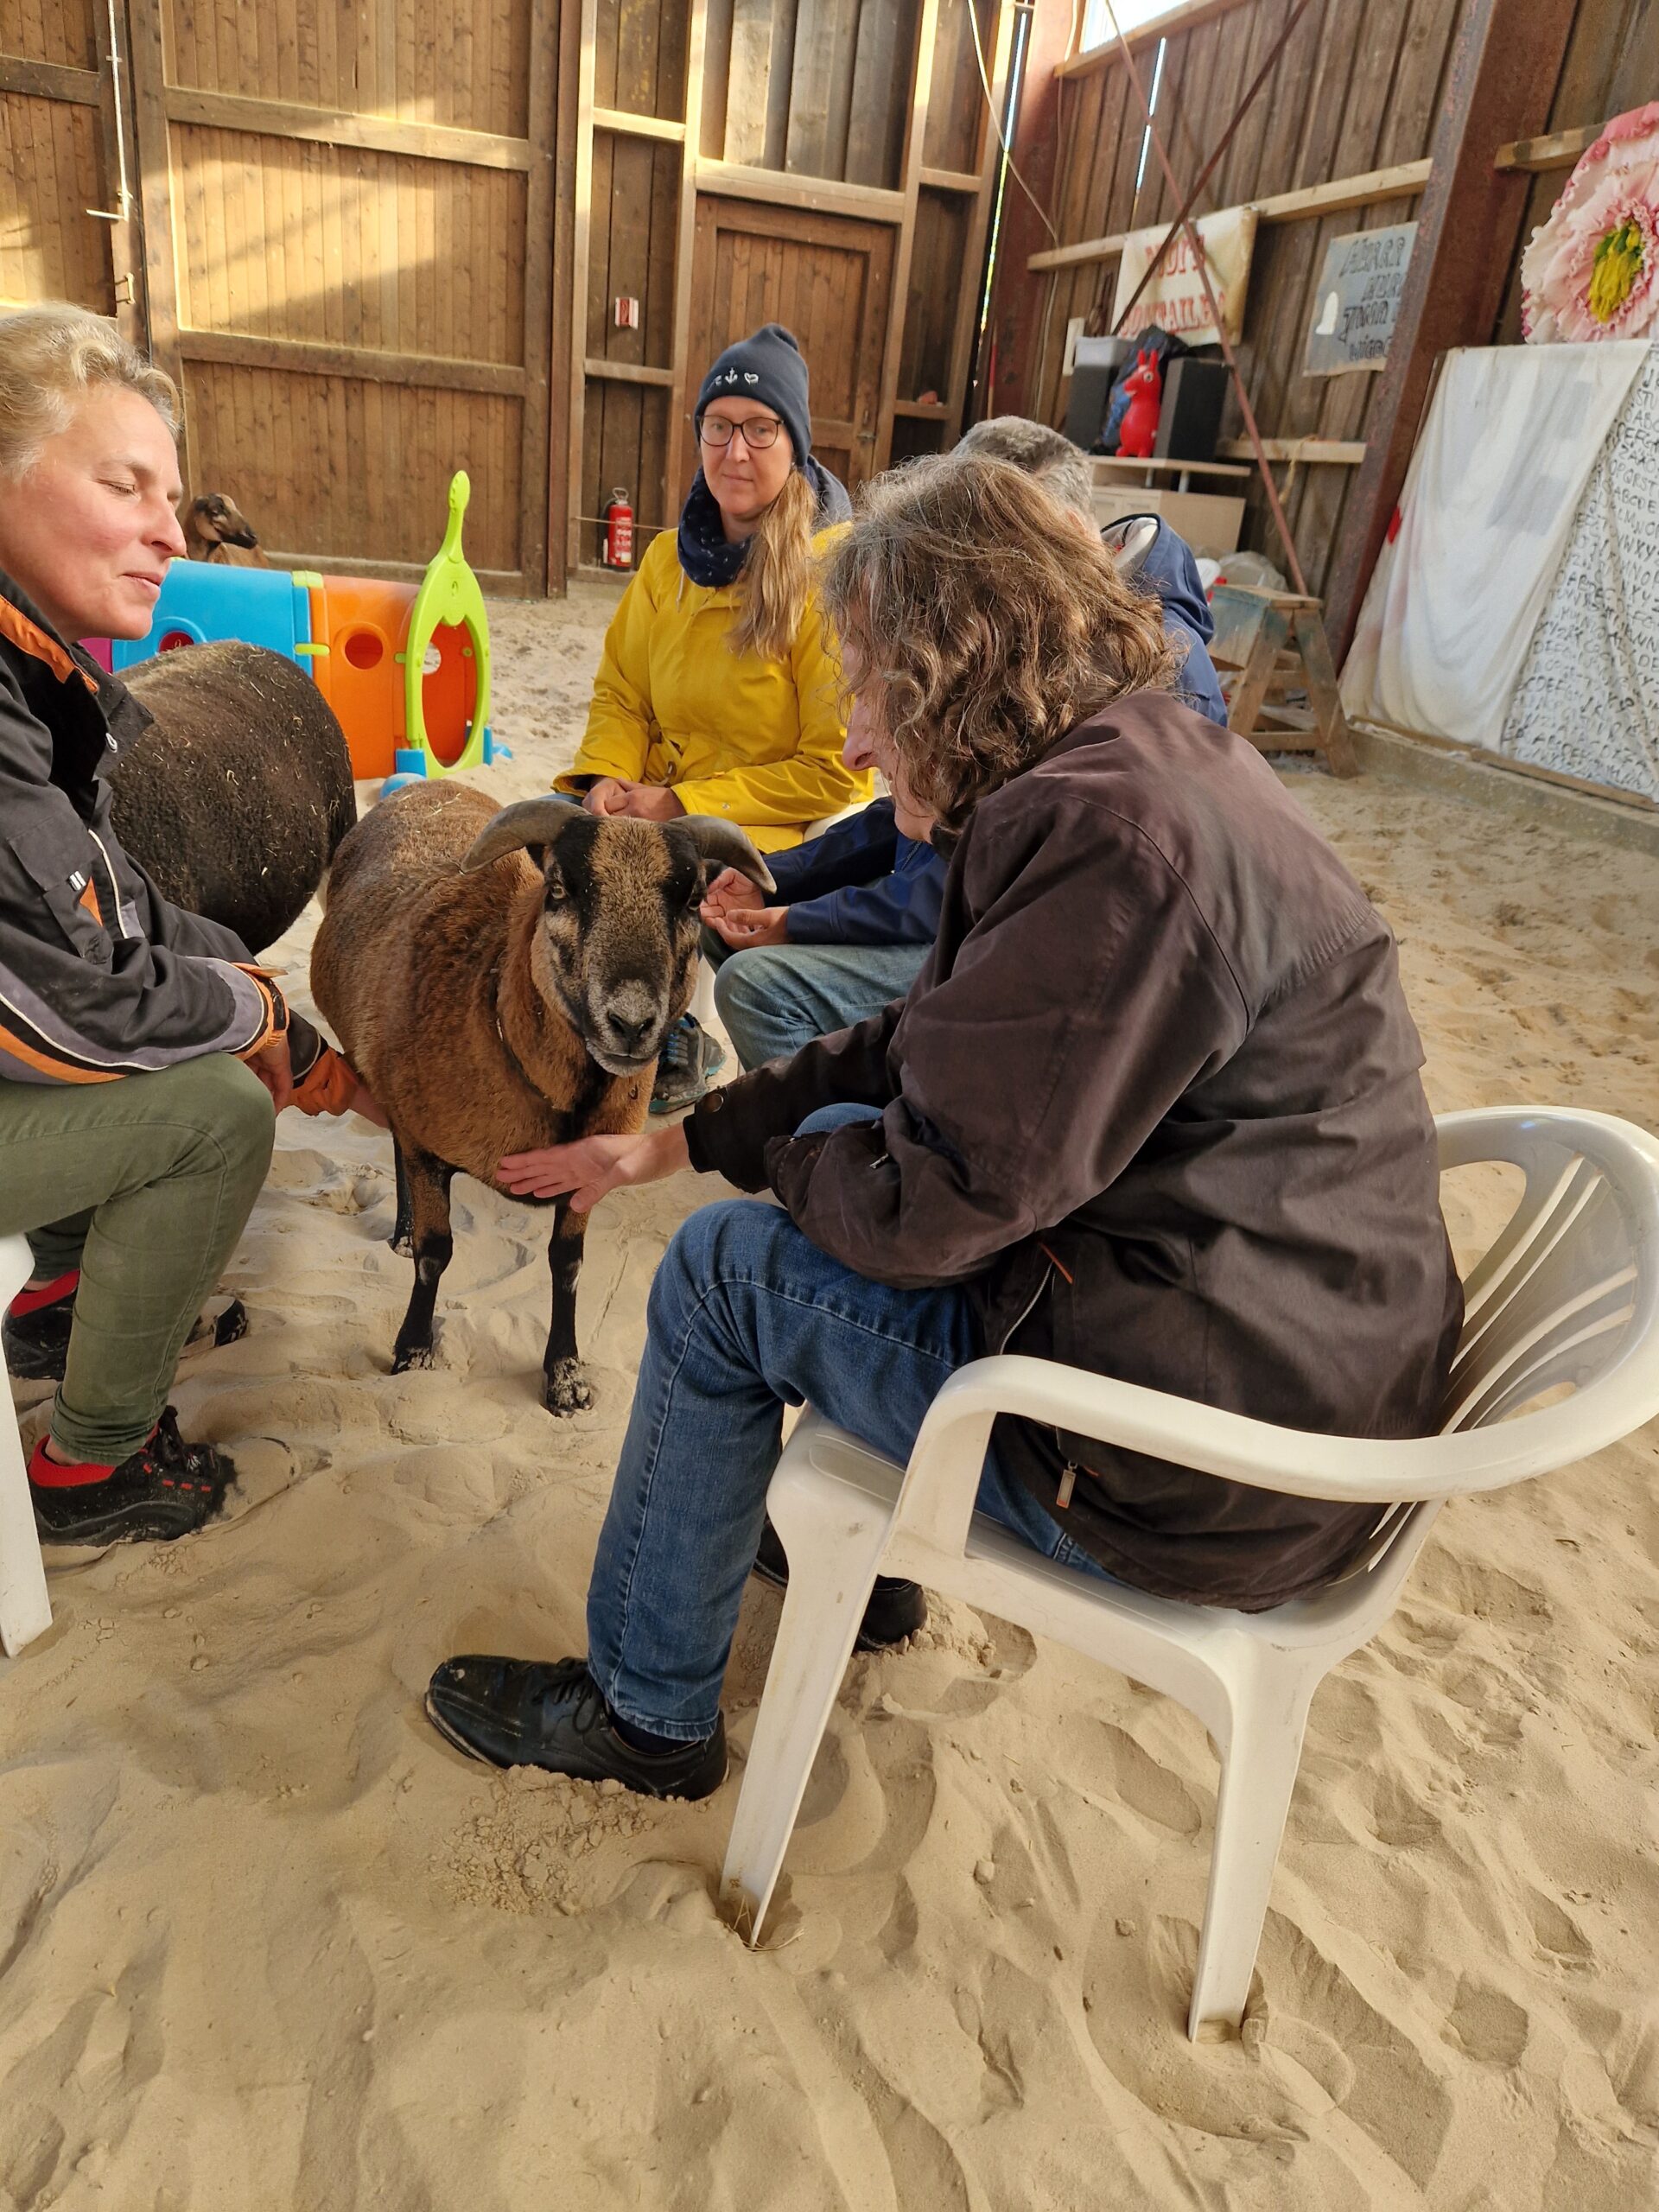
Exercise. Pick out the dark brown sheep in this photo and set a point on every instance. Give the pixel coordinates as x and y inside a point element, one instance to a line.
<point>236,799</point>
<point>502,980</point>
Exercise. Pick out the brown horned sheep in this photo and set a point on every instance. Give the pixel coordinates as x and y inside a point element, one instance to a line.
<point>503,979</point>
<point>235,800</point>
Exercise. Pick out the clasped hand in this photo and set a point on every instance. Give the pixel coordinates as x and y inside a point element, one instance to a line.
<point>734,909</point>
<point>639,802</point>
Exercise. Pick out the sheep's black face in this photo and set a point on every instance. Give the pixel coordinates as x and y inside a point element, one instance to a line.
<point>618,935</point>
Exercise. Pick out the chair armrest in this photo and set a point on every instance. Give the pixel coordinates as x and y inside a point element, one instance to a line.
<point>937,1499</point>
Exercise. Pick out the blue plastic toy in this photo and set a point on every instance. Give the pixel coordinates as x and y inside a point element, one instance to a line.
<point>201,602</point>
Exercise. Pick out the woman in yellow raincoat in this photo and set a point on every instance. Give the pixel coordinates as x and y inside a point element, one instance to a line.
<point>718,692</point>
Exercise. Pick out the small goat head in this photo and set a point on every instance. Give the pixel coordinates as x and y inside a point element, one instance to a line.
<point>616,948</point>
<point>216,519</point>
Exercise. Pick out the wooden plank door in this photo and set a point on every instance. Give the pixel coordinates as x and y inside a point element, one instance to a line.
<point>828,279</point>
<point>66,230</point>
<point>348,218</point>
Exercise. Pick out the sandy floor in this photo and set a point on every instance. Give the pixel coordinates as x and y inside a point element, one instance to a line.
<point>265,1942</point>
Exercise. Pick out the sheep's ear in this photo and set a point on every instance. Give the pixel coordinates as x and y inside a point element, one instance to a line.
<point>532,825</point>
<point>723,844</point>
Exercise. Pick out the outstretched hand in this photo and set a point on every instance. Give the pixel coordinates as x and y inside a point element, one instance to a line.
<point>585,1171</point>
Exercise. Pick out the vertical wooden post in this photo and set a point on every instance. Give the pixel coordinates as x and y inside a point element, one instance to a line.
<point>126,241</point>
<point>580,247</point>
<point>1499,86</point>
<point>151,153</point>
<point>684,247</point>
<point>535,523</point>
<point>909,185</point>
<point>962,337</point>
<point>1020,301</point>
<point>562,386</point>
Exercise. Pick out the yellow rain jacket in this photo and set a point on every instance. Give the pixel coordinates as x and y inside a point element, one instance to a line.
<point>758,741</point>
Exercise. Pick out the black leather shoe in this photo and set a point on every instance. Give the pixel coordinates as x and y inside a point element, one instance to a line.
<point>896,1608</point>
<point>525,1713</point>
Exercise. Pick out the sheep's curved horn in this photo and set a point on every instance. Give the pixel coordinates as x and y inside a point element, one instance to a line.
<point>526,821</point>
<point>725,843</point>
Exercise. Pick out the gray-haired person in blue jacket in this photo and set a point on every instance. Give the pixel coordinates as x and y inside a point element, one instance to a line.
<point>856,910</point>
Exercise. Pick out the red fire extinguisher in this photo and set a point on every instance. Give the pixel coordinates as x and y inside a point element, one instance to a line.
<point>617,551</point>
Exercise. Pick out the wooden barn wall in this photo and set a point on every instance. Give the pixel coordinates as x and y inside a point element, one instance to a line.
<point>419,261</point>
<point>639,69</point>
<point>1355,89</point>
<point>808,90</point>
<point>1611,65</point>
<point>57,156</point>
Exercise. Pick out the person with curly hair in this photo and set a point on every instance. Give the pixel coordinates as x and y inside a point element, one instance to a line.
<point>1152,1108</point>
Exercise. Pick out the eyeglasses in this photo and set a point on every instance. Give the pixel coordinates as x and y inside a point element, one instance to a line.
<point>757,433</point>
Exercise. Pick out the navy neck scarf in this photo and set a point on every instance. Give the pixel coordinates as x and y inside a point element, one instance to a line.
<point>705,554</point>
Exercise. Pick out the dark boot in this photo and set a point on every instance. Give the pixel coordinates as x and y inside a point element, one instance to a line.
<point>896,1608</point>
<point>528,1713</point>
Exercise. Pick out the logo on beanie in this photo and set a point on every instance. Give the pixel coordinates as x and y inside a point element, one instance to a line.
<point>749,378</point>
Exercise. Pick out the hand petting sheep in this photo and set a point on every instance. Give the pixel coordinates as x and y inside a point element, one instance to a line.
<point>503,979</point>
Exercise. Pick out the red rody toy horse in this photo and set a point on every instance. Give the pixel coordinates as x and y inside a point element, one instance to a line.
<point>1145,385</point>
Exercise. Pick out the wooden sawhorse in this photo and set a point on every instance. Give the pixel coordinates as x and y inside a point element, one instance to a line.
<point>1266,645</point>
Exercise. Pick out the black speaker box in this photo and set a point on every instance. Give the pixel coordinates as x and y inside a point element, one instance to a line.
<point>1093,371</point>
<point>1189,422</point>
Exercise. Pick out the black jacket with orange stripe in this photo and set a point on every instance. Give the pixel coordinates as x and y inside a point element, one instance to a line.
<point>100,976</point>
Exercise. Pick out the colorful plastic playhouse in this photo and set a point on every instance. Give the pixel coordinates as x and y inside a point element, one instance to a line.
<point>201,602</point>
<point>405,667</point>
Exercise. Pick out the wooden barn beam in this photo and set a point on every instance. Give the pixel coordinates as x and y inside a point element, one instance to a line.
<point>964,332</point>
<point>685,246</point>
<point>374,134</point>
<point>581,255</point>
<point>813,196</point>
<point>1500,83</point>
<point>562,305</point>
<point>51,81</point>
<point>921,86</point>
<point>1020,301</point>
<point>1559,151</point>
<point>1335,197</point>
<point>152,152</point>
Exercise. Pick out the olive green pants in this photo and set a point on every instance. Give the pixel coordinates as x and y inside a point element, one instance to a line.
<point>144,1185</point>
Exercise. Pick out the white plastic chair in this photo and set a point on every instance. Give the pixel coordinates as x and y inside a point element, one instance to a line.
<point>25,1609</point>
<point>1568,1293</point>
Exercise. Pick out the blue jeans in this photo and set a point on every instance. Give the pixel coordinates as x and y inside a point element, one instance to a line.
<point>775,998</point>
<point>747,1315</point>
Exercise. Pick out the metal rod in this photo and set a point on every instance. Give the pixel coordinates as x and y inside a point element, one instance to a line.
<point>1268,485</point>
<point>1209,169</point>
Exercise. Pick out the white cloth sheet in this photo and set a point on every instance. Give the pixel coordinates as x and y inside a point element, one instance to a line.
<point>1495,484</point>
<point>1588,698</point>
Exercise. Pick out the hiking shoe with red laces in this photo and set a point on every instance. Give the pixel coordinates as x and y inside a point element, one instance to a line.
<point>166,1488</point>
<point>38,1322</point>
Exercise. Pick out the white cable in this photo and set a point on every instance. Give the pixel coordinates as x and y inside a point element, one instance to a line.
<point>996,122</point>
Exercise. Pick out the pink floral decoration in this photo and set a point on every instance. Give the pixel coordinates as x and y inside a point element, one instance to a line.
<point>1592,270</point>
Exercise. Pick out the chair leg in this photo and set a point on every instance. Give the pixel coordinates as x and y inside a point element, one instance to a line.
<point>1258,1773</point>
<point>25,1609</point>
<point>834,1552</point>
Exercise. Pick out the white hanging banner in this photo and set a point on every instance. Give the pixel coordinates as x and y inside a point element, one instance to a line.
<point>1496,481</point>
<point>1175,300</point>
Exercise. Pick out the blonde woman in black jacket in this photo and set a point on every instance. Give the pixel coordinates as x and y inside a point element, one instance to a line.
<point>143,1056</point>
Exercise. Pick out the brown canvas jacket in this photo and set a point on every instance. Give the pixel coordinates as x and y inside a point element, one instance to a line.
<point>1154,1099</point>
